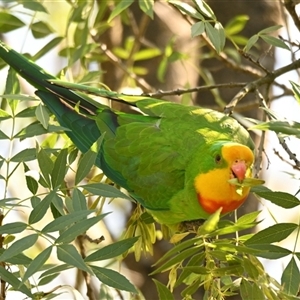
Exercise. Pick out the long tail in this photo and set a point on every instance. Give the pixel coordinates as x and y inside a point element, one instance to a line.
<point>82,130</point>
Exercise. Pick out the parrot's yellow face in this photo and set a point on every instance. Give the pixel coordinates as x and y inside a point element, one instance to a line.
<point>214,190</point>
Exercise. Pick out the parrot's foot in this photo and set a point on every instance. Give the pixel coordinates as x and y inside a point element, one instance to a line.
<point>191,225</point>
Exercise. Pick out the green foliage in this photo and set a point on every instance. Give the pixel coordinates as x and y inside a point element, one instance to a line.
<point>50,236</point>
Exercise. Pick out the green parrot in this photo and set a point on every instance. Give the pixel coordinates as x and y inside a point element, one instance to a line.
<point>175,160</point>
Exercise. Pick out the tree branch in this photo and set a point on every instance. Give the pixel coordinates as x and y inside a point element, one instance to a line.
<point>252,86</point>
<point>290,7</point>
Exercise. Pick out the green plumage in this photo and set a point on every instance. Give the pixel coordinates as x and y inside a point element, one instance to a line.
<point>154,156</point>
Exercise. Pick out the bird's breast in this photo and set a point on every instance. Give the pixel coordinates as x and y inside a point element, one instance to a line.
<point>214,191</point>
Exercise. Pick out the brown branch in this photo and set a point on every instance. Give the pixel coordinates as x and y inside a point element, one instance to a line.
<point>252,86</point>
<point>179,92</point>
<point>258,162</point>
<point>256,62</point>
<point>290,7</point>
<point>291,155</point>
<point>90,291</point>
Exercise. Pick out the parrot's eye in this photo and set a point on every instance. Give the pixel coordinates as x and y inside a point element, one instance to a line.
<point>218,158</point>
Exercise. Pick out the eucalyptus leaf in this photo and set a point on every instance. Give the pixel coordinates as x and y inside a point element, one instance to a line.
<point>272,234</point>
<point>113,279</point>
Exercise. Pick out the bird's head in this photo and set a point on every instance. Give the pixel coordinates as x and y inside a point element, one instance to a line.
<point>226,161</point>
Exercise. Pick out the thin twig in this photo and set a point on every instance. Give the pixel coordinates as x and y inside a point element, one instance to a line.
<point>291,155</point>
<point>254,61</point>
<point>90,291</point>
<point>179,92</point>
<point>290,7</point>
<point>258,162</point>
<point>252,86</point>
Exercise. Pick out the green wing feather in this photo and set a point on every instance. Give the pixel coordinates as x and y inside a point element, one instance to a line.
<point>154,156</point>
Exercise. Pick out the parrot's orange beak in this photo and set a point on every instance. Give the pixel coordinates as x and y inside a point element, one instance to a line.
<point>239,169</point>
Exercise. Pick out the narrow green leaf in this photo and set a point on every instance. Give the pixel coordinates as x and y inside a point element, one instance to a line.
<point>113,279</point>
<point>9,22</point>
<point>248,218</point>
<point>28,112</point>
<point>112,250</point>
<point>210,224</point>
<point>19,259</point>
<point>60,167</point>
<point>285,127</point>
<point>40,29</point>
<point>274,41</point>
<point>121,6</point>
<point>11,228</point>
<point>251,291</point>
<point>270,29</point>
<point>53,43</point>
<point>25,155</point>
<point>147,7</point>
<point>105,190</point>
<point>216,35</point>
<point>177,259</point>
<point>147,54</point>
<point>162,69</point>
<point>58,204</point>
<point>251,268</point>
<point>34,6</point>
<point>69,255</point>
<point>19,97</point>
<point>42,115</point>
<point>40,210</point>
<point>37,263</point>
<point>31,184</point>
<point>271,251</point>
<point>47,279</point>
<point>6,201</point>
<point>12,86</point>
<point>296,90</point>
<point>36,128</point>
<point>272,234</point>
<point>236,24</point>
<point>65,221</point>
<point>198,28</point>
<point>3,136</point>
<point>178,248</point>
<point>290,278</point>
<point>4,115</point>
<point>196,260</point>
<point>204,9</point>
<point>78,200</point>
<point>163,292</point>
<point>80,227</point>
<point>11,279</point>
<point>85,165</point>
<point>187,9</point>
<point>30,181</point>
<point>251,42</point>
<point>55,270</point>
<point>46,165</point>
<point>19,246</point>
<point>282,199</point>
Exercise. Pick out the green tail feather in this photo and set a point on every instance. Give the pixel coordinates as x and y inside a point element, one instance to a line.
<point>83,130</point>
